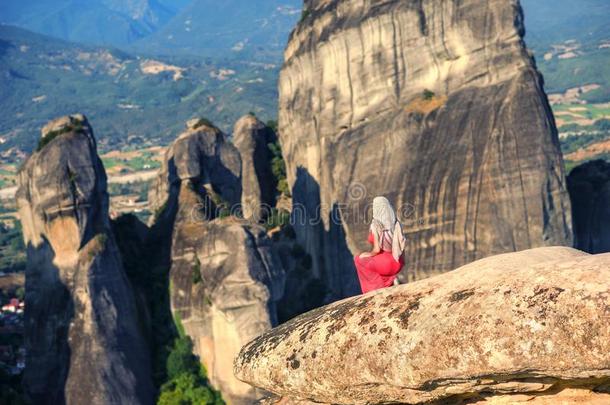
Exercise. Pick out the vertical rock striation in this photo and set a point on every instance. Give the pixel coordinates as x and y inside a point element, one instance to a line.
<point>251,137</point>
<point>589,186</point>
<point>82,332</point>
<point>435,104</point>
<point>224,279</point>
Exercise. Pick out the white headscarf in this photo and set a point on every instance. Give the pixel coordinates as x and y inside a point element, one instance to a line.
<point>384,219</point>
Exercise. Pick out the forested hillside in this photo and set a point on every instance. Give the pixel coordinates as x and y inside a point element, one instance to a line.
<point>130,99</point>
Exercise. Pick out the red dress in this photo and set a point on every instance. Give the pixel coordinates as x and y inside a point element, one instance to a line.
<point>377,271</point>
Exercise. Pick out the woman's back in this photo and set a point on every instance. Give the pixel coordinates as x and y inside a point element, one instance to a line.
<point>379,267</point>
<point>385,236</point>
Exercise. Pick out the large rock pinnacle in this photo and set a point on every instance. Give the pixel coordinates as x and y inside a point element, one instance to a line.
<point>83,341</point>
<point>225,278</point>
<point>252,139</point>
<point>436,105</point>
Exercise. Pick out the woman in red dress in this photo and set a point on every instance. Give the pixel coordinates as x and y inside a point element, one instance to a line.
<point>379,267</point>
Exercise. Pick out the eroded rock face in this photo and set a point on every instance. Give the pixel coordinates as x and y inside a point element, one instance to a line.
<point>436,105</point>
<point>81,326</point>
<point>506,327</point>
<point>226,281</point>
<point>251,137</point>
<point>589,186</point>
<point>224,277</point>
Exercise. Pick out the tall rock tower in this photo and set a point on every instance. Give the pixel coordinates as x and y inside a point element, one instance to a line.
<point>225,278</point>
<point>436,105</point>
<point>82,334</point>
<point>252,138</point>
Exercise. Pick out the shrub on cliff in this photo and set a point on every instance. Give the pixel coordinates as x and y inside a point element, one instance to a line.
<point>181,359</point>
<point>278,168</point>
<point>203,122</point>
<point>428,95</point>
<point>45,140</point>
<point>277,218</point>
<point>187,389</point>
<point>187,379</point>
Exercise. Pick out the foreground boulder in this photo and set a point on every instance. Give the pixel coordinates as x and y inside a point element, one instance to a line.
<point>513,326</point>
<point>82,337</point>
<point>589,186</point>
<point>436,105</point>
<point>224,278</point>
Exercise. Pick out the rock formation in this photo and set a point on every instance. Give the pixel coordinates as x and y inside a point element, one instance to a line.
<point>436,105</point>
<point>252,137</point>
<point>225,283</point>
<point>514,327</point>
<point>224,278</point>
<point>200,159</point>
<point>589,186</point>
<point>81,327</point>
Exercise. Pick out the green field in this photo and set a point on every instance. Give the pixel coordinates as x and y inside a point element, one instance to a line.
<point>580,115</point>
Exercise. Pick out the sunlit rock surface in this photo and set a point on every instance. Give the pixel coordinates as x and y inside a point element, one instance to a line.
<point>438,106</point>
<point>509,327</point>
<point>252,138</point>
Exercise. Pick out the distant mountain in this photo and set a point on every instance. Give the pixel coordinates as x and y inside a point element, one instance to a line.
<point>240,28</point>
<point>130,99</point>
<point>254,29</point>
<point>234,47</point>
<point>108,22</point>
<point>554,21</point>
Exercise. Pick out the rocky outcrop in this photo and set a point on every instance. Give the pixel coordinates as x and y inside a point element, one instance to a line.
<point>436,105</point>
<point>589,186</point>
<point>521,326</point>
<point>81,327</point>
<point>251,137</point>
<point>200,159</point>
<point>224,279</point>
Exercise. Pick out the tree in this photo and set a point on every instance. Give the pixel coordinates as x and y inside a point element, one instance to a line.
<point>181,359</point>
<point>602,124</point>
<point>187,389</point>
<point>20,293</point>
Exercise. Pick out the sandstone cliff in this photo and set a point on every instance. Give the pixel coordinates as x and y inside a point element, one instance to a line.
<point>435,104</point>
<point>251,138</point>
<point>224,279</point>
<point>589,186</point>
<point>81,327</point>
<point>528,326</point>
